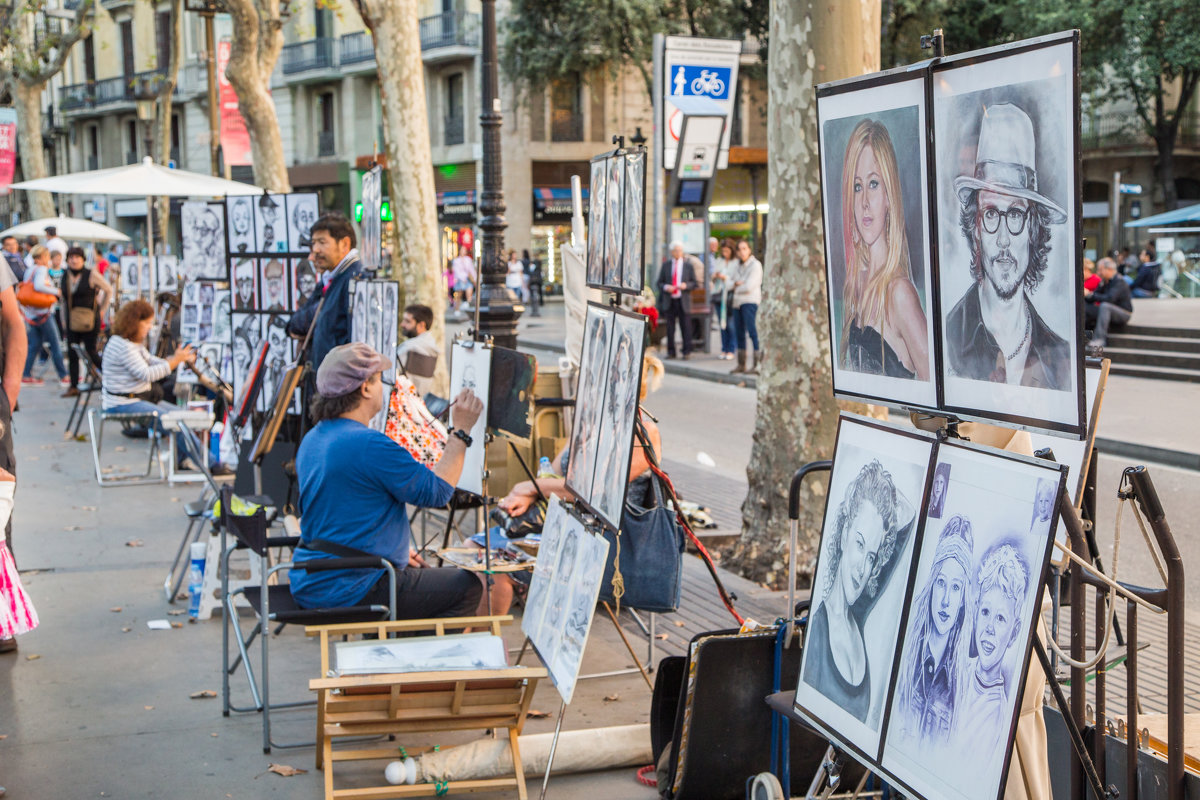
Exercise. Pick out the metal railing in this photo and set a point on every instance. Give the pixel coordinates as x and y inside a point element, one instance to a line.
<point>77,95</point>
<point>566,126</point>
<point>449,29</point>
<point>1115,129</point>
<point>356,48</point>
<point>454,130</point>
<point>325,144</point>
<point>311,54</point>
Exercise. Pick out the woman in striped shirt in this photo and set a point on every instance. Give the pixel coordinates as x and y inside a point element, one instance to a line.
<point>130,372</point>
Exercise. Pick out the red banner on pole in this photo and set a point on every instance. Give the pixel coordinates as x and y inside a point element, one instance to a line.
<point>235,139</point>
<point>8,147</point>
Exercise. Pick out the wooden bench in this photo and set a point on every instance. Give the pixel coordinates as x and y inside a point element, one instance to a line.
<point>417,702</point>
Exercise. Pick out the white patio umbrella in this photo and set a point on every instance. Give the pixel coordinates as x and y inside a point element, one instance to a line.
<point>77,230</point>
<point>146,179</point>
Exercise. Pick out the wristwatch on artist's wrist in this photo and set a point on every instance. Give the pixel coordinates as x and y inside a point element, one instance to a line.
<point>461,434</point>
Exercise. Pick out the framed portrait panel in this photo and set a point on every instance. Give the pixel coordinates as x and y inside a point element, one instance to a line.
<point>470,368</point>
<point>273,285</point>
<point>597,213</point>
<point>633,252</point>
<point>270,223</point>
<point>203,230</point>
<point>614,221</point>
<point>589,401</point>
<point>302,212</point>
<point>245,284</point>
<point>304,281</point>
<point>1007,184</point>
<point>875,192</point>
<point>871,529</point>
<point>240,212</point>
<point>967,633</point>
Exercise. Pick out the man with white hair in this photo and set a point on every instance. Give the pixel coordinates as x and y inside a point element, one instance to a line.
<point>676,279</point>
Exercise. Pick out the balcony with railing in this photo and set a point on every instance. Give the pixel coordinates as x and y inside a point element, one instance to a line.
<point>356,48</point>
<point>77,95</point>
<point>1115,130</point>
<point>309,55</point>
<point>451,29</point>
<point>326,146</point>
<point>454,130</point>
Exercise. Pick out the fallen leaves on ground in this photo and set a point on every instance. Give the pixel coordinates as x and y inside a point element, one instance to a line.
<point>612,698</point>
<point>126,630</point>
<point>73,528</point>
<point>115,609</point>
<point>286,770</point>
<point>3,736</point>
<point>32,657</point>
<point>120,449</point>
<point>148,708</point>
<point>202,694</point>
<point>135,543</point>
<point>662,636</point>
<point>175,612</point>
<point>174,499</point>
<point>176,624</point>
<point>533,713</point>
<point>679,623</point>
<point>87,508</point>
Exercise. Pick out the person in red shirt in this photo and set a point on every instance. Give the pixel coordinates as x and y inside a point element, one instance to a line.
<point>1090,279</point>
<point>101,261</point>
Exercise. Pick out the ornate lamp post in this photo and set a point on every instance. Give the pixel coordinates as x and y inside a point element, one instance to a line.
<point>209,9</point>
<point>498,306</point>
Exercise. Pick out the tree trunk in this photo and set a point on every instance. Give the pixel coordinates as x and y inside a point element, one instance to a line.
<point>811,42</point>
<point>28,99</point>
<point>415,258</point>
<point>1164,165</point>
<point>254,48</point>
<point>162,143</point>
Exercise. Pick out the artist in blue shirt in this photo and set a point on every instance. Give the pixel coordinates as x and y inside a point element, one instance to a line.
<point>355,486</point>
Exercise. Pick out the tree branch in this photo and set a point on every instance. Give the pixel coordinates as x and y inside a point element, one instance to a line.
<point>81,28</point>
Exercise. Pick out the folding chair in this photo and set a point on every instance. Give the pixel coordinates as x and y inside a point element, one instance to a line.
<point>84,398</point>
<point>200,511</point>
<point>273,603</point>
<point>150,420</point>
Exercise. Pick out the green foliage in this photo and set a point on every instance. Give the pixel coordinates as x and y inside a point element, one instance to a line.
<point>547,40</point>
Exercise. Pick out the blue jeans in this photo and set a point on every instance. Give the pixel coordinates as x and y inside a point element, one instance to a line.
<point>744,321</point>
<point>45,332</point>
<point>146,407</point>
<point>727,342</point>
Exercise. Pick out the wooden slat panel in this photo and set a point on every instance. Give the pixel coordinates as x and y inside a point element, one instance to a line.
<point>419,726</point>
<point>422,789</point>
<point>408,715</point>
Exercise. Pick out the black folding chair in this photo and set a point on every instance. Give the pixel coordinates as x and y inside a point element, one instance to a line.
<point>273,605</point>
<point>84,398</point>
<point>200,511</point>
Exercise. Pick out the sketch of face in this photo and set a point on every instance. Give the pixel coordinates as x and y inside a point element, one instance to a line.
<point>995,627</point>
<point>860,549</point>
<point>241,353</point>
<point>1005,255</point>
<point>1045,503</point>
<point>244,277</point>
<point>939,488</point>
<point>468,379</point>
<point>946,599</point>
<point>268,242</point>
<point>240,218</point>
<point>206,294</point>
<point>303,218</point>
<point>278,338</point>
<point>221,317</point>
<point>870,199</point>
<point>306,282</point>
<point>274,275</point>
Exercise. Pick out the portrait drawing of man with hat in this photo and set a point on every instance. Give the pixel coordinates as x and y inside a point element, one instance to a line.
<point>994,333</point>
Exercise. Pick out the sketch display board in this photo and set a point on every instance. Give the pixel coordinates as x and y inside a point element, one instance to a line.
<point>374,320</point>
<point>470,368</point>
<point>563,594</point>
<point>204,244</point>
<point>606,403</point>
<point>875,192</point>
<point>952,210</point>
<point>924,606</point>
<point>267,245</point>
<point>168,272</point>
<point>135,276</point>
<point>616,215</point>
<point>370,245</point>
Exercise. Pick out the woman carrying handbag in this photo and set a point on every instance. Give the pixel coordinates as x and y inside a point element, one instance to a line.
<point>37,296</point>
<point>86,294</point>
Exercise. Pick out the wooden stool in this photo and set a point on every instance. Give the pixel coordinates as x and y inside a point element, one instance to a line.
<point>418,702</point>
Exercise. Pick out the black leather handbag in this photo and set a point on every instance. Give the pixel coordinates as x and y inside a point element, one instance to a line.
<point>647,553</point>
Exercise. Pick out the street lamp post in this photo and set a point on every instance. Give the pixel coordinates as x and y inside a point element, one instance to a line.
<point>498,306</point>
<point>208,9</point>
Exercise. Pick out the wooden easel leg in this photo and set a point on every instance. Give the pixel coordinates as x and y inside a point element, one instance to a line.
<point>327,756</point>
<point>518,767</point>
<point>320,748</point>
<point>628,646</point>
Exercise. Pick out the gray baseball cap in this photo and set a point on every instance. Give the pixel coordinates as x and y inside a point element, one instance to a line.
<point>347,367</point>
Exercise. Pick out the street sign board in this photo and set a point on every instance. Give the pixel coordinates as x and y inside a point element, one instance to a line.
<point>1131,188</point>
<point>695,68</point>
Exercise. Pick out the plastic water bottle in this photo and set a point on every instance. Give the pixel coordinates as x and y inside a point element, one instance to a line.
<point>544,468</point>
<point>214,443</point>
<point>196,578</point>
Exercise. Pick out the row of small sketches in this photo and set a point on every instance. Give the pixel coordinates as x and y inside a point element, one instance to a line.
<point>974,236</point>
<point>240,226</point>
<point>923,605</point>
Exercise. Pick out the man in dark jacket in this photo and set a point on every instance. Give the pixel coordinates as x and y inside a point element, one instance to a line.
<point>336,259</point>
<point>1110,304</point>
<point>676,279</point>
<point>12,255</point>
<point>1145,283</point>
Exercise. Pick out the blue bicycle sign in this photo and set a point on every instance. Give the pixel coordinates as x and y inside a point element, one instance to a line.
<point>687,79</point>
